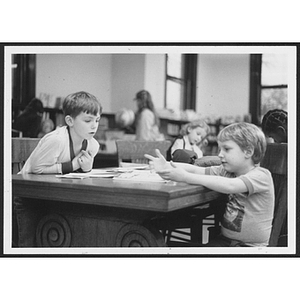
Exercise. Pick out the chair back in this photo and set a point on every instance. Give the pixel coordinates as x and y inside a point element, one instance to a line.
<point>134,151</point>
<point>21,150</point>
<point>275,160</point>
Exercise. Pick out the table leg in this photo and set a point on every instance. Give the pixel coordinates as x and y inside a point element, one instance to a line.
<point>69,225</point>
<point>135,235</point>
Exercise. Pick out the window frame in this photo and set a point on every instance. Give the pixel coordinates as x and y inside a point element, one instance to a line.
<point>256,88</point>
<point>188,81</point>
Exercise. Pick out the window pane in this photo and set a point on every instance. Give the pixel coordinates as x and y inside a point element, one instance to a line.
<point>272,99</point>
<point>174,65</point>
<point>274,69</point>
<point>173,95</point>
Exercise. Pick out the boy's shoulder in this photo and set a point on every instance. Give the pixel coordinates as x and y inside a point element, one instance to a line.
<point>259,170</point>
<point>258,173</point>
<point>58,134</point>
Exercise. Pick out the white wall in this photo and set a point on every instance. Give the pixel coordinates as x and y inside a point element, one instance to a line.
<point>155,76</point>
<point>113,78</point>
<point>127,77</point>
<point>222,79</point>
<point>63,74</point>
<point>223,82</point>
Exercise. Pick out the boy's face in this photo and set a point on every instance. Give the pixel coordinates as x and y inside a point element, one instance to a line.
<point>85,125</point>
<point>234,159</point>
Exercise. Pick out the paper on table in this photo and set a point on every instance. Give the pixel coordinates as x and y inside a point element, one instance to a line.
<point>134,166</point>
<point>140,175</point>
<point>95,173</point>
<point>129,167</point>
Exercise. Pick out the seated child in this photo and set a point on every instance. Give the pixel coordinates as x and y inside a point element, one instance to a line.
<point>191,136</point>
<point>72,147</point>
<point>29,121</point>
<point>247,220</point>
<point>274,125</point>
<point>46,127</point>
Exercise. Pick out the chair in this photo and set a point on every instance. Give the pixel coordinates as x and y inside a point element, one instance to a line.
<point>16,133</point>
<point>134,151</point>
<point>275,160</point>
<point>185,228</point>
<point>21,149</point>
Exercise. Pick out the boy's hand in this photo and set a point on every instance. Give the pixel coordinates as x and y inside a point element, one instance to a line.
<point>157,163</point>
<point>86,161</point>
<point>173,173</point>
<point>75,162</point>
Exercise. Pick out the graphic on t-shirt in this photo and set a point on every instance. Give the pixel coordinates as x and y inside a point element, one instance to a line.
<point>234,215</point>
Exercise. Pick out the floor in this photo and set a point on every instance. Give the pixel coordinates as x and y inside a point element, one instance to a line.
<point>205,232</point>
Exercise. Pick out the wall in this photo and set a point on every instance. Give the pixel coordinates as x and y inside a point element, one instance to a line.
<point>127,78</point>
<point>62,74</point>
<point>113,78</point>
<point>223,84</point>
<point>155,76</point>
<point>222,79</point>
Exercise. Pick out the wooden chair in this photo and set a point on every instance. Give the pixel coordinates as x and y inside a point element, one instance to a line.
<point>16,133</point>
<point>275,160</point>
<point>134,151</point>
<point>21,149</point>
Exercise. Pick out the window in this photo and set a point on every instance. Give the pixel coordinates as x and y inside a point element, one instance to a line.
<point>23,80</point>
<point>174,81</point>
<point>273,82</point>
<point>181,70</point>
<point>268,84</point>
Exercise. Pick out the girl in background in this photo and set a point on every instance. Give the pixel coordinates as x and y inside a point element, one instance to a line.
<point>146,121</point>
<point>191,136</point>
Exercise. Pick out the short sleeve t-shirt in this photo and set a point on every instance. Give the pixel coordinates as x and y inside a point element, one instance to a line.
<point>248,216</point>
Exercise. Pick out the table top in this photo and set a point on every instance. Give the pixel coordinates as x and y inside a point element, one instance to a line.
<point>149,196</point>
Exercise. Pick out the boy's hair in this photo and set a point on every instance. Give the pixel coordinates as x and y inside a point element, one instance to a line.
<point>273,119</point>
<point>247,136</point>
<point>193,125</point>
<point>79,102</point>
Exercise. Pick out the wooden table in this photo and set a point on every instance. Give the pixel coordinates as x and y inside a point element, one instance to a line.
<point>98,212</point>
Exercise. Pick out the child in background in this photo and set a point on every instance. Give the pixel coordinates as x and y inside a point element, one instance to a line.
<point>72,147</point>
<point>146,121</point>
<point>46,127</point>
<point>29,121</point>
<point>191,136</point>
<point>247,220</point>
<point>274,125</point>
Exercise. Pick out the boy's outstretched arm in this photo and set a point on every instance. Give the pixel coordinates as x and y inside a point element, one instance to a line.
<point>216,183</point>
<point>159,163</point>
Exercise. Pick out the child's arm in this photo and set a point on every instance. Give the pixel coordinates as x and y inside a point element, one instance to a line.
<point>178,144</point>
<point>216,183</point>
<point>159,163</point>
